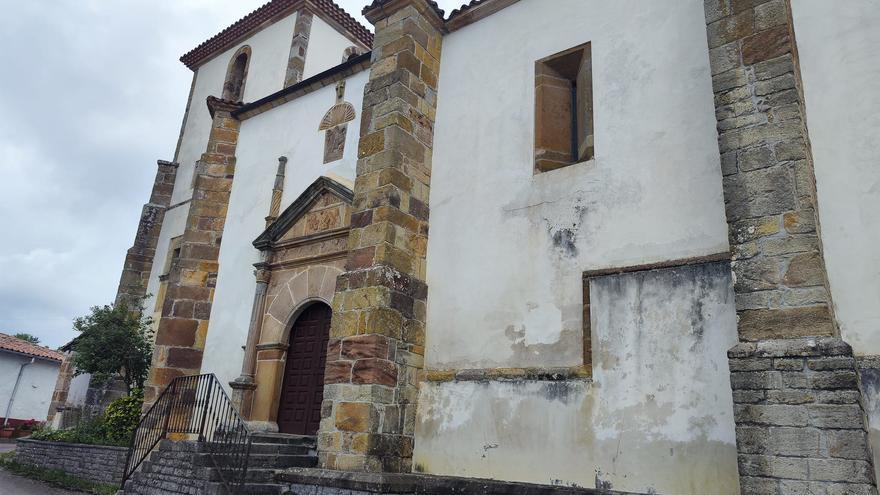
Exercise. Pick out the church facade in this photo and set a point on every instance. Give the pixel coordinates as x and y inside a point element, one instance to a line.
<point>625,245</point>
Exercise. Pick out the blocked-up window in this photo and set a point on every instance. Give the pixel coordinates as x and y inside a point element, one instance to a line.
<point>236,75</point>
<point>564,109</point>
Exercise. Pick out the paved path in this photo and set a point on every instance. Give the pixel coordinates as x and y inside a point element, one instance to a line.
<point>6,447</point>
<point>16,485</point>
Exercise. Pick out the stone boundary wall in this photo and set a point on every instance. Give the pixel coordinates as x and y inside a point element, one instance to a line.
<point>98,463</point>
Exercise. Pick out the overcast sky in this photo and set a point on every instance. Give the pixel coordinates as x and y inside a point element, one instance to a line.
<point>91,95</point>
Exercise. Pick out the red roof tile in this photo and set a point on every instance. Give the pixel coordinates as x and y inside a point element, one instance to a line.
<point>464,8</point>
<point>10,343</point>
<point>231,35</point>
<point>377,3</point>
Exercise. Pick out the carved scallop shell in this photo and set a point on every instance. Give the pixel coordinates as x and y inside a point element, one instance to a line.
<point>338,114</point>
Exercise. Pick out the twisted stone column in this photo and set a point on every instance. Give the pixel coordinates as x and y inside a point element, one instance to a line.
<point>243,387</point>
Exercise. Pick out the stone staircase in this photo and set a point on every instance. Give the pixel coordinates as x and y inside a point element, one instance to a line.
<point>176,468</point>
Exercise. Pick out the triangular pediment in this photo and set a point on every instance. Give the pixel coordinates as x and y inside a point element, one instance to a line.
<point>325,206</point>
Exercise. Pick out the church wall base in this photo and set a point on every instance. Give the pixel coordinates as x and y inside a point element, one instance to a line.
<point>800,423</point>
<point>327,482</point>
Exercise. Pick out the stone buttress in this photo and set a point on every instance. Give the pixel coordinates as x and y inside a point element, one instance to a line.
<point>180,338</point>
<point>800,424</point>
<point>139,258</point>
<point>376,349</point>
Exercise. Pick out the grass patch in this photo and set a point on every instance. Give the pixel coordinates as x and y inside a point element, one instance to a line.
<point>54,477</point>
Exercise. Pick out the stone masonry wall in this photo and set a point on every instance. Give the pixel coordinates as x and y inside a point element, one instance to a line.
<point>98,463</point>
<point>798,408</point>
<point>62,386</point>
<point>769,187</point>
<point>799,420</point>
<point>180,338</point>
<point>377,337</point>
<point>139,258</point>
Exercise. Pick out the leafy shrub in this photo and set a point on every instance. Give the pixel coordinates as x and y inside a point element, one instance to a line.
<point>89,432</point>
<point>123,415</point>
<point>115,341</point>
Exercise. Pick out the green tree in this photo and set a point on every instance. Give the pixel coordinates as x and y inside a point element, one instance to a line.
<point>27,338</point>
<point>115,341</point>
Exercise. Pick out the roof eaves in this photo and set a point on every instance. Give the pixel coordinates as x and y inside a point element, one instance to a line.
<point>381,3</point>
<point>475,11</point>
<point>267,14</point>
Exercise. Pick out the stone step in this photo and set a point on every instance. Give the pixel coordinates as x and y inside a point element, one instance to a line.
<point>249,489</point>
<point>280,448</point>
<point>187,467</point>
<point>304,440</point>
<point>182,481</point>
<point>258,461</point>
<point>180,446</point>
<point>253,475</point>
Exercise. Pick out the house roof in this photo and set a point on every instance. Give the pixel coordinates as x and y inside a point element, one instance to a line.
<point>464,8</point>
<point>266,14</point>
<point>300,207</point>
<point>379,3</point>
<point>12,344</point>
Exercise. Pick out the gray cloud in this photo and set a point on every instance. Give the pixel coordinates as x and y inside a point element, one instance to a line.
<point>91,94</point>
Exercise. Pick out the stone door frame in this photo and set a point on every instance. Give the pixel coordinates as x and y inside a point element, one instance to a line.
<point>315,284</point>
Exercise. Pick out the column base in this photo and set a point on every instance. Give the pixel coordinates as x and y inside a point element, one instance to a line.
<point>262,426</point>
<point>243,394</point>
<point>800,425</point>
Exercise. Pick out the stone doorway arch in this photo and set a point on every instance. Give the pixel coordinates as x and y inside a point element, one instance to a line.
<point>303,250</point>
<point>302,385</point>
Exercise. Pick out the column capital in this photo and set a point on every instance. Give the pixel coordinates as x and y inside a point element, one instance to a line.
<point>262,273</point>
<point>220,105</point>
<point>382,9</point>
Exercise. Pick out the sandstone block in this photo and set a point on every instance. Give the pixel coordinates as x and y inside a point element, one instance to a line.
<point>766,45</point>
<point>774,467</point>
<point>355,416</point>
<point>840,470</point>
<point>779,415</point>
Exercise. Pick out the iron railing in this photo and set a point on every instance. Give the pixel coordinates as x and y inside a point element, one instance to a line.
<point>196,406</point>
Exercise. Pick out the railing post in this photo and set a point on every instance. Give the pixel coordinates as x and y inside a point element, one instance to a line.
<point>169,408</point>
<point>205,410</point>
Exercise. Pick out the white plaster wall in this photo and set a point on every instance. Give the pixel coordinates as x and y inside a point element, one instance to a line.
<point>290,130</point>
<point>326,47</point>
<point>79,386</point>
<point>840,65</point>
<point>266,73</point>
<point>270,48</point>
<point>507,248</point>
<point>657,416</point>
<point>35,389</point>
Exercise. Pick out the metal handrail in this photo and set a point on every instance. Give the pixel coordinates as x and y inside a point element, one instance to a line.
<point>196,405</point>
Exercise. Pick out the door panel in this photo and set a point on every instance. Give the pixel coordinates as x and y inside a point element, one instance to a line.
<point>299,410</point>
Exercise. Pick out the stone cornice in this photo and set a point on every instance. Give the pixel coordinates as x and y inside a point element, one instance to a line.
<point>298,208</point>
<point>220,105</point>
<point>382,9</point>
<point>314,83</point>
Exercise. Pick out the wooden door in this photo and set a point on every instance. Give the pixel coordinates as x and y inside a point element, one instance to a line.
<point>302,391</point>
